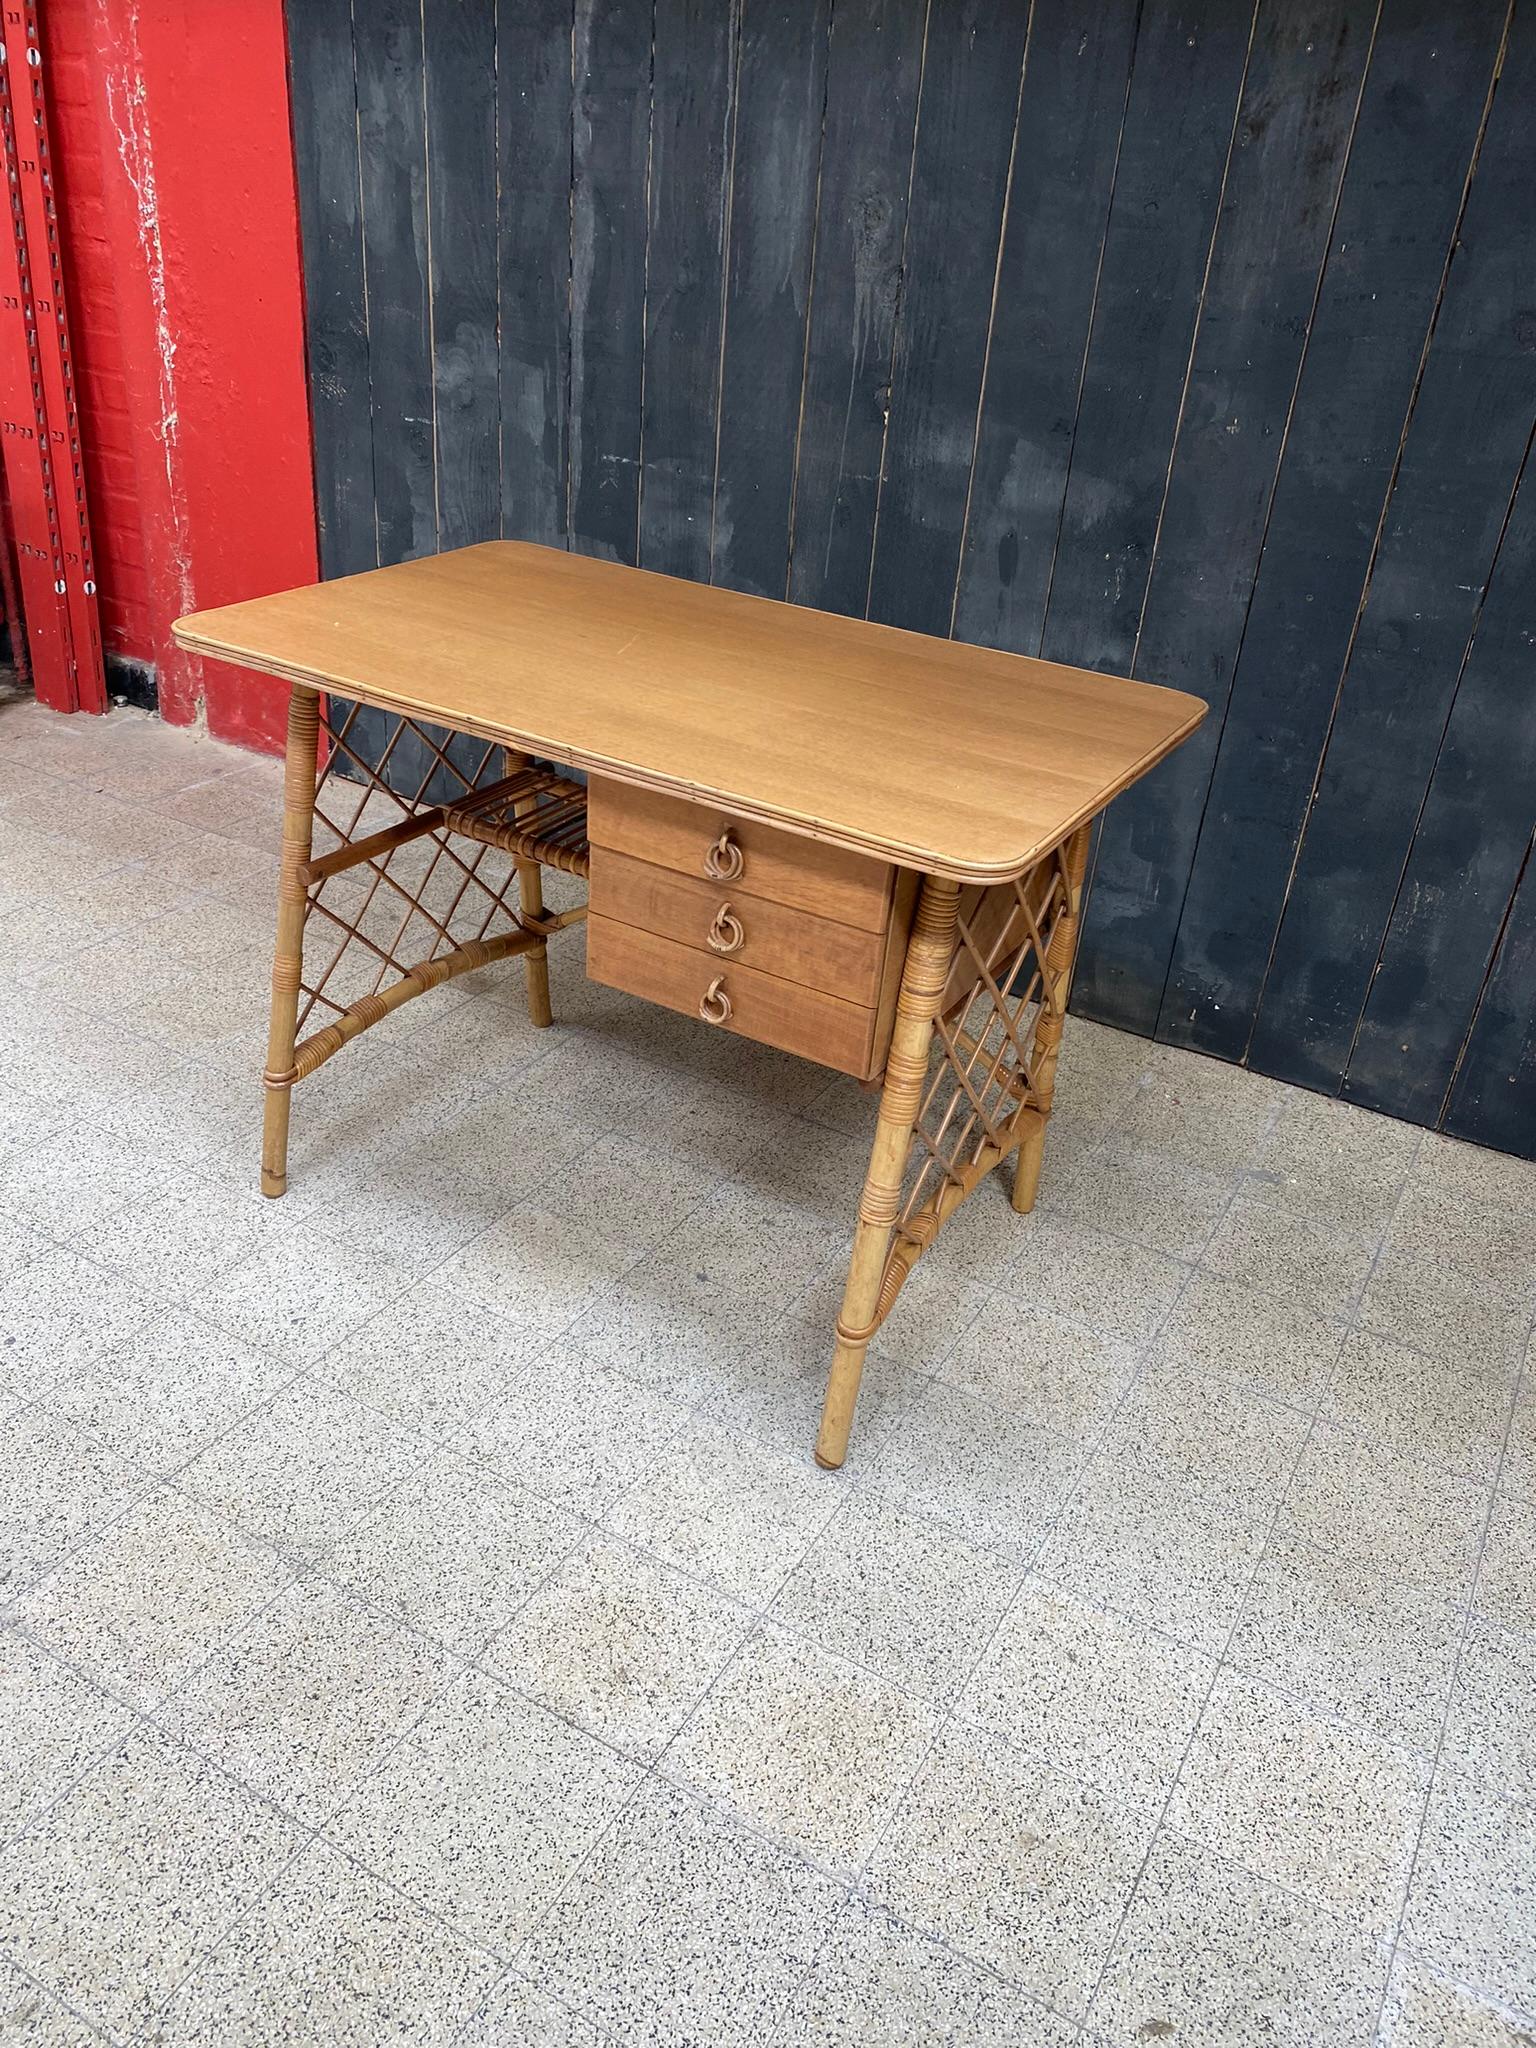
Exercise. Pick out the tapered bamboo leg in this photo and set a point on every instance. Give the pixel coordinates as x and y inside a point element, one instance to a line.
<point>288,957</point>
<point>530,897</point>
<point>1060,958</point>
<point>929,953</point>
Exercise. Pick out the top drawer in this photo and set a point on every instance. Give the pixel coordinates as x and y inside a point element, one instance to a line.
<point>697,839</point>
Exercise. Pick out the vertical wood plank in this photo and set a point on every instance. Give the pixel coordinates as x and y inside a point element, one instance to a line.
<point>533,90</point>
<point>324,95</point>
<point>1493,1101</point>
<point>690,137</point>
<point>1466,854</point>
<point>1188,73</point>
<point>780,93</point>
<point>460,57</point>
<point>874,64</point>
<point>392,134</point>
<point>1418,125</point>
<point>611,169</point>
<point>1298,106</point>
<point>960,170</point>
<point>1463,452</point>
<point>1070,119</point>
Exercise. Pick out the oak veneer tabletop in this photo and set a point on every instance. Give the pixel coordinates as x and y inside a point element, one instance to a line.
<point>958,760</point>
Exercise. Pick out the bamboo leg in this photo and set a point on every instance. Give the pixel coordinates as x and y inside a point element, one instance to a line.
<point>288,957</point>
<point>1060,957</point>
<point>530,898</point>
<point>929,952</point>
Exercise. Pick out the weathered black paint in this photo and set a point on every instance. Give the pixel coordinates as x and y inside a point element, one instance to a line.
<point>1182,338</point>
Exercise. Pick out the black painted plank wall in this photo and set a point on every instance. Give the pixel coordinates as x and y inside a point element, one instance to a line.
<point>1183,338</point>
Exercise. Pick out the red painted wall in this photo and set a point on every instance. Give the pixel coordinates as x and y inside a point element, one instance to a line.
<point>180,225</point>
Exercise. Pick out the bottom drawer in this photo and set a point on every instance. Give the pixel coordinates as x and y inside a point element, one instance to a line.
<point>756,1005</point>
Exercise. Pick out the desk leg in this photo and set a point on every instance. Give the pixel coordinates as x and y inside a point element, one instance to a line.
<point>929,952</point>
<point>530,898</point>
<point>1060,957</point>
<point>288,958</point>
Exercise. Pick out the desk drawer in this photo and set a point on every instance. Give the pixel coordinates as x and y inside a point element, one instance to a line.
<point>755,1005</point>
<point>741,929</point>
<point>671,833</point>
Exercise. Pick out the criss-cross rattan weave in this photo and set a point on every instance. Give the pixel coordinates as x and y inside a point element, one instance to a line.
<point>987,1040</point>
<point>402,893</point>
<point>987,1024</point>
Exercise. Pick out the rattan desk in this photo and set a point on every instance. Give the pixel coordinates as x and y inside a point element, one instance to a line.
<point>861,845</point>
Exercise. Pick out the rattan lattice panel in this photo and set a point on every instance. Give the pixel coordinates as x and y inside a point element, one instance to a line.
<point>399,887</point>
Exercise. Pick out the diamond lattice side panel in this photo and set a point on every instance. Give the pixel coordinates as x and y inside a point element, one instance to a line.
<point>421,892</point>
<point>994,1021</point>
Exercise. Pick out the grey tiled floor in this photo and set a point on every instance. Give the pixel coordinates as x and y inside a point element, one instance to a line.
<point>423,1622</point>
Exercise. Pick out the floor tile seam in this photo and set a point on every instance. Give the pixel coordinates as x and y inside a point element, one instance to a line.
<point>39,1220</point>
<point>1320,1421</point>
<point>149,1725</point>
<point>9,1839</point>
<point>1325,1716</point>
<point>300,1557</point>
<point>209,1949</point>
<point>1218,1663</point>
<point>701,1802</point>
<point>115,1007</point>
<point>1357,1323</point>
<point>1346,1927</point>
<point>1142,1351</point>
<point>227,1638</point>
<point>1045,1212</point>
<point>464,1661</point>
<point>1350,1925</point>
<point>858,1894</point>
<point>453,1442</point>
<point>167,1479</point>
<point>41,1985</point>
<point>1449,1704</point>
<point>1160,1824</point>
<point>296,1377</point>
<point>325,1373</point>
<point>339,1792</point>
<point>503,1958</point>
<point>947,1716</point>
<point>406,1285</point>
<point>283,1381</point>
<point>758,1616</point>
<point>1067,1217</point>
<point>1382,1450</point>
<point>145,1483</point>
<point>709,1413</point>
<point>1515,2017</point>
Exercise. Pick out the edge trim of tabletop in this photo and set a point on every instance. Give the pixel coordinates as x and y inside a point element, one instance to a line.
<point>901,855</point>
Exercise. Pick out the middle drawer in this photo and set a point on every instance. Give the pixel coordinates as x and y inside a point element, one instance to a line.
<point>747,930</point>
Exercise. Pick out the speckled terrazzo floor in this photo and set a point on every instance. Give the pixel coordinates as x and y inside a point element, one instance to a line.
<point>421,1620</point>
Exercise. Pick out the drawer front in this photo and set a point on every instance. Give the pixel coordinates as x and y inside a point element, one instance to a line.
<point>708,844</point>
<point>755,1005</point>
<point>740,929</point>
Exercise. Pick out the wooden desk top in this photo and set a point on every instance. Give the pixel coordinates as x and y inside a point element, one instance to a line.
<point>957,760</point>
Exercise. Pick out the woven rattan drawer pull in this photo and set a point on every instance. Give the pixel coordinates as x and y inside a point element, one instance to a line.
<point>725,935</point>
<point>723,861</point>
<point>715,1004</point>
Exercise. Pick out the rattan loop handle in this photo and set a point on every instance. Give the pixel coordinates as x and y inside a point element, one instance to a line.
<point>723,860</point>
<point>725,935</point>
<point>715,1004</point>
